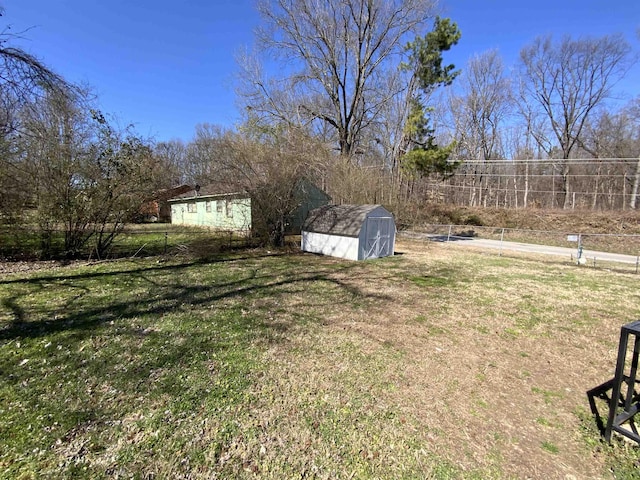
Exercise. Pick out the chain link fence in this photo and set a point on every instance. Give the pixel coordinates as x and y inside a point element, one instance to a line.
<point>619,251</point>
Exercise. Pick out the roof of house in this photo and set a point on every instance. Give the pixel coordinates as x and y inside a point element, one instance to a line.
<point>208,191</point>
<point>172,192</point>
<point>343,220</point>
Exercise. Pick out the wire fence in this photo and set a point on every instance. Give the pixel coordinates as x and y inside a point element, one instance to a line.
<point>614,251</point>
<point>23,243</point>
<point>578,183</point>
<point>619,251</point>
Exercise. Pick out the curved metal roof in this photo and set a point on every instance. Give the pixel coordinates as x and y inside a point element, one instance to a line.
<point>343,220</point>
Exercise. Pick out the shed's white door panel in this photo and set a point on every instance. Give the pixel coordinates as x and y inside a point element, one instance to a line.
<point>379,237</point>
<point>334,245</point>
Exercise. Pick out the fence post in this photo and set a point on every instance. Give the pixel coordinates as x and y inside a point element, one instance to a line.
<point>166,239</point>
<point>449,234</point>
<point>501,240</point>
<point>579,257</point>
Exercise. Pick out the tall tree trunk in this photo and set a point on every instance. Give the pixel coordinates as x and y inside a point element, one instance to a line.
<point>485,191</point>
<point>594,201</point>
<point>553,189</point>
<point>566,186</point>
<point>472,193</point>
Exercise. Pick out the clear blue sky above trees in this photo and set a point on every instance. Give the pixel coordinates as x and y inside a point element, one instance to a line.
<point>167,66</point>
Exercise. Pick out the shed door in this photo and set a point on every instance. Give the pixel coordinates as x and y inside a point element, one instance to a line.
<point>378,237</point>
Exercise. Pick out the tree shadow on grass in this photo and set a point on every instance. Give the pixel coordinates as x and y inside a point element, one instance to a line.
<point>11,304</point>
<point>148,349</point>
<point>153,268</point>
<point>162,297</point>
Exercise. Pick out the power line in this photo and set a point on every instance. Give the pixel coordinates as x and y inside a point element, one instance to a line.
<point>550,161</point>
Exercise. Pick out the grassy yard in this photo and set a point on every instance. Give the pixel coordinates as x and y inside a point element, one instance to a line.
<point>437,363</point>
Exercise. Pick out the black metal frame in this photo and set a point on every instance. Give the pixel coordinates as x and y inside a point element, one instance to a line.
<point>629,402</point>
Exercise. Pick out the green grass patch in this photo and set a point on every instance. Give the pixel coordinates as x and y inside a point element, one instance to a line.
<point>256,364</point>
<point>99,348</point>
<point>432,328</point>
<point>543,421</point>
<point>548,395</point>
<point>432,281</point>
<point>107,366</point>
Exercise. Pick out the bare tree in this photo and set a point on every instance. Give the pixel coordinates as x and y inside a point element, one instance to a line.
<point>172,155</point>
<point>338,53</point>
<point>268,164</point>
<point>203,154</point>
<point>481,106</point>
<point>23,77</point>
<point>633,112</point>
<point>565,82</point>
<point>78,175</point>
<point>478,112</point>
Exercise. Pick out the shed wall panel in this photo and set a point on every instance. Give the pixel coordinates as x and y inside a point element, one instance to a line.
<point>334,245</point>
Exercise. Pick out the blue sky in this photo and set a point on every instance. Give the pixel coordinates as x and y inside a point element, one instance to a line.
<point>166,66</point>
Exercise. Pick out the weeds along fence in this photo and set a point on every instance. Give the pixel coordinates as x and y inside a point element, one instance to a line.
<point>619,251</point>
<point>135,242</point>
<point>20,243</point>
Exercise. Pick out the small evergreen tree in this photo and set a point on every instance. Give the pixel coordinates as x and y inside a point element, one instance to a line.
<point>421,154</point>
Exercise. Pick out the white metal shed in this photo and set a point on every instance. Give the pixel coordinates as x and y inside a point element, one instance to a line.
<point>354,232</point>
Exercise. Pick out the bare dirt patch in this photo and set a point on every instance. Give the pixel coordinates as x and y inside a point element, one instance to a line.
<point>34,266</point>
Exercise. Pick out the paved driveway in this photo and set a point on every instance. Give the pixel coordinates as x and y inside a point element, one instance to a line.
<point>523,247</point>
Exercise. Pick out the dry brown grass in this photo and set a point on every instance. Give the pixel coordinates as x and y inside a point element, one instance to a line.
<point>578,221</point>
<point>483,361</point>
